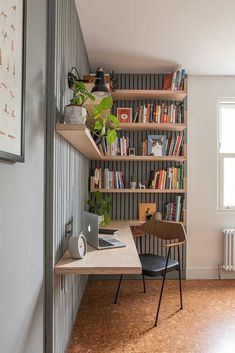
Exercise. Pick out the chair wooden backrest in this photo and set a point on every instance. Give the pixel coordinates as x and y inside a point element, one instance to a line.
<point>164,230</point>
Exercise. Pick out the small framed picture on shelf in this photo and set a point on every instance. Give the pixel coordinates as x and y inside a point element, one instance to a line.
<point>157,145</point>
<point>132,151</point>
<point>146,211</point>
<point>124,115</point>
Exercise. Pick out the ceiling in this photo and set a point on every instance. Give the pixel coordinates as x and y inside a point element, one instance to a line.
<point>160,35</point>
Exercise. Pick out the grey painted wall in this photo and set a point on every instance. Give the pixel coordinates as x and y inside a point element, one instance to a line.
<point>69,177</point>
<point>22,209</point>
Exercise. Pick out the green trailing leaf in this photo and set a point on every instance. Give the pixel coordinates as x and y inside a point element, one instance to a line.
<point>111,135</point>
<point>113,119</point>
<point>80,94</point>
<point>106,103</point>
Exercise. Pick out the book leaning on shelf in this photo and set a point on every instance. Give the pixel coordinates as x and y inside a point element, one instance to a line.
<point>106,179</point>
<point>174,81</point>
<point>159,113</point>
<point>173,211</point>
<point>171,179</point>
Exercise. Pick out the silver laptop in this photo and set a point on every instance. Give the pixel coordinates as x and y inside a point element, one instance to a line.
<point>91,232</point>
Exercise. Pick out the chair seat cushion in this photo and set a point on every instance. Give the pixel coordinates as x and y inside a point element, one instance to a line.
<point>154,265</point>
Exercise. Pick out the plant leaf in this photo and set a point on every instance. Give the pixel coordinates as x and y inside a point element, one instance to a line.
<point>106,103</point>
<point>113,119</point>
<point>111,136</point>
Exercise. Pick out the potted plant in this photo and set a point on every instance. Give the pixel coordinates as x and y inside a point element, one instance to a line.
<point>133,182</point>
<point>101,206</point>
<point>75,112</point>
<point>101,123</point>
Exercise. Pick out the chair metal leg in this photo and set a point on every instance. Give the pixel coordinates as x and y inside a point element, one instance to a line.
<point>119,284</point>
<point>144,284</point>
<point>163,282</point>
<point>180,286</point>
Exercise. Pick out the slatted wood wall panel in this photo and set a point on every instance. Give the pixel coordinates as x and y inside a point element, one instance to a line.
<point>70,173</point>
<point>125,206</point>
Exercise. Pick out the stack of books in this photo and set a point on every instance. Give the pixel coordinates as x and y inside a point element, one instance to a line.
<point>160,113</point>
<point>106,179</point>
<point>173,210</point>
<point>117,148</point>
<point>174,81</point>
<point>171,179</point>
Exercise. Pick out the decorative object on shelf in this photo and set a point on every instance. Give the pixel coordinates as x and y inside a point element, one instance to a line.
<point>75,112</point>
<point>12,73</point>
<point>78,246</point>
<point>133,182</point>
<point>100,89</point>
<point>132,151</point>
<point>142,186</point>
<point>158,216</point>
<point>102,123</point>
<point>146,210</point>
<point>124,115</point>
<point>157,145</point>
<point>101,206</point>
<point>114,80</point>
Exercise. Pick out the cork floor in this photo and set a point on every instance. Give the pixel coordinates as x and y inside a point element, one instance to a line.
<point>206,325</point>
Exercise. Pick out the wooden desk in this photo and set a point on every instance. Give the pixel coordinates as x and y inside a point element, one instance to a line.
<point>109,261</point>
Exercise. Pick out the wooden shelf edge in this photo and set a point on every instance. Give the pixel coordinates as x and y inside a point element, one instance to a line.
<point>145,158</point>
<point>152,126</point>
<point>144,191</point>
<point>131,94</point>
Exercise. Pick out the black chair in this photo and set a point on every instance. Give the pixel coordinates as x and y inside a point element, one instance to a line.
<point>173,235</point>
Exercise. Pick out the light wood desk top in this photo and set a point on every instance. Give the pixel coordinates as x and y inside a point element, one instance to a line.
<point>109,261</point>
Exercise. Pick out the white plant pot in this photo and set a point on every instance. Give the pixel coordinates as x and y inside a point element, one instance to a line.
<point>133,184</point>
<point>100,219</point>
<point>75,114</point>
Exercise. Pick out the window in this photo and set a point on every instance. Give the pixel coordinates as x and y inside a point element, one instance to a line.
<point>226,154</point>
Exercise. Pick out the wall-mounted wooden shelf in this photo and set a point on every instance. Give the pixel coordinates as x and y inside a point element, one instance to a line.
<point>143,191</point>
<point>80,138</point>
<point>144,158</point>
<point>152,126</point>
<point>136,94</point>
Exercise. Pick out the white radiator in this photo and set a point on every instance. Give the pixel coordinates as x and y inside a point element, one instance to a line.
<point>228,250</point>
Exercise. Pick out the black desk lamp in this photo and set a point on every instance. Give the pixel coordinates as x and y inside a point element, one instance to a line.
<point>100,89</point>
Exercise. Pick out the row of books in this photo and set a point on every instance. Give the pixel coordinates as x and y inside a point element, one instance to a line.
<point>174,81</point>
<point>171,178</point>
<point>107,179</point>
<point>164,147</point>
<point>173,210</point>
<point>162,113</point>
<point>119,147</point>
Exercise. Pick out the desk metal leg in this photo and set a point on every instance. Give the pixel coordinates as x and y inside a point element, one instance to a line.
<point>119,284</point>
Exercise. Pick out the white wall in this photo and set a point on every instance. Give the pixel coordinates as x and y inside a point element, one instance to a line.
<point>204,221</point>
<point>22,208</point>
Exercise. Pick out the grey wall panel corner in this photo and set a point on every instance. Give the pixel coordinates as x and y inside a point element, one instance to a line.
<point>67,173</point>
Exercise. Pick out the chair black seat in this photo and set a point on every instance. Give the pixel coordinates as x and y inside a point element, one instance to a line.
<point>154,265</point>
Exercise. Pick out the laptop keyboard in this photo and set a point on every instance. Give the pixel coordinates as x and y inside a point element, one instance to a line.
<point>103,243</point>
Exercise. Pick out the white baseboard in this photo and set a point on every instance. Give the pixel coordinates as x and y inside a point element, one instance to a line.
<point>208,273</point>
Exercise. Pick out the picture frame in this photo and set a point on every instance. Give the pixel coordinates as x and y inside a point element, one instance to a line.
<point>131,151</point>
<point>157,145</point>
<point>124,115</point>
<point>12,72</point>
<point>146,207</point>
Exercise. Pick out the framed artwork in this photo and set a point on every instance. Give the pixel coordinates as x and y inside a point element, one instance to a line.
<point>12,79</point>
<point>124,115</point>
<point>146,210</point>
<point>157,145</point>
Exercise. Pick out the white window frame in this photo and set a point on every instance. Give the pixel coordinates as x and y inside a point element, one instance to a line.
<point>221,156</point>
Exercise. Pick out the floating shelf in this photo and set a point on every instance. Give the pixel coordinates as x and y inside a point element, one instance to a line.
<point>80,138</point>
<point>152,126</point>
<point>139,94</point>
<point>143,191</point>
<point>144,158</point>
